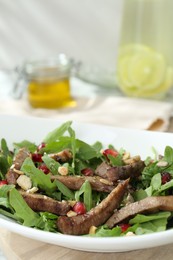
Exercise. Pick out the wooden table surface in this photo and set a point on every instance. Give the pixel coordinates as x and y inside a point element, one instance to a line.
<point>16,247</point>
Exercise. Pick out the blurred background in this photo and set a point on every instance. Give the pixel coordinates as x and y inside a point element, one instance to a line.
<point>86,30</point>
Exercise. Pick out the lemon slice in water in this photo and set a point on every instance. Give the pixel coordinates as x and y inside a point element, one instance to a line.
<point>142,71</point>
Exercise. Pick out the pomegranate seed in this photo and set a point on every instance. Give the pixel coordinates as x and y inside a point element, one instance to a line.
<point>40,146</point>
<point>36,157</point>
<point>79,208</point>
<point>165,177</point>
<point>44,168</point>
<point>3,182</point>
<point>110,152</point>
<point>87,172</point>
<point>124,226</point>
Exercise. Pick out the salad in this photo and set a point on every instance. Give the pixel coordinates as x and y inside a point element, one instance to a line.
<point>68,186</point>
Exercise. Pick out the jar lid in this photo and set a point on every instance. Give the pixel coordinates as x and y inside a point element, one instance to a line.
<point>49,68</point>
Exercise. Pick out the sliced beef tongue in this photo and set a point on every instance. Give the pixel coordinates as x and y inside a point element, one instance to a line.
<point>39,202</point>
<point>12,174</point>
<point>80,224</point>
<point>116,173</point>
<point>147,205</point>
<point>75,182</point>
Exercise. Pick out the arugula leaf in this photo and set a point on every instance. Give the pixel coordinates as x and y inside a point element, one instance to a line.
<point>156,182</point>
<point>4,165</point>
<point>5,159</point>
<point>156,225</point>
<point>86,151</point>
<point>4,199</point>
<point>97,146</point>
<point>139,194</point>
<point>37,176</point>
<point>64,190</point>
<point>73,145</point>
<point>86,190</point>
<point>150,223</point>
<point>4,148</point>
<point>47,222</point>
<point>104,231</point>
<point>22,210</point>
<point>168,154</point>
<point>140,218</point>
<point>27,144</point>
<point>116,161</point>
<point>51,164</point>
<point>64,142</point>
<point>54,135</point>
<point>25,215</point>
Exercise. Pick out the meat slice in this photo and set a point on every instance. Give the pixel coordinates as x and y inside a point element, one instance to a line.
<point>120,172</point>
<point>63,156</point>
<point>80,224</point>
<point>75,182</point>
<point>102,169</point>
<point>12,173</point>
<point>147,205</point>
<point>39,202</point>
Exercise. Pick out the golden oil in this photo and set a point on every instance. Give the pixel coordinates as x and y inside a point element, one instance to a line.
<point>49,82</point>
<point>50,93</point>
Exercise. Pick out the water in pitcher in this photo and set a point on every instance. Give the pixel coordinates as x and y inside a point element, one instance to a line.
<point>145,54</point>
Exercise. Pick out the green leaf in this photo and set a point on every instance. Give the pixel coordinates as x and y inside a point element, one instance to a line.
<point>86,190</point>
<point>139,218</point>
<point>47,222</point>
<point>97,146</point>
<point>4,148</point>
<point>73,145</point>
<point>156,182</point>
<point>51,164</point>
<point>4,165</point>
<point>9,214</point>
<point>54,135</point>
<point>166,186</point>
<point>37,176</point>
<point>86,151</point>
<point>22,210</point>
<point>64,190</point>
<point>103,231</point>
<point>27,144</point>
<point>139,195</point>
<point>168,154</point>
<point>151,227</point>
<point>115,161</point>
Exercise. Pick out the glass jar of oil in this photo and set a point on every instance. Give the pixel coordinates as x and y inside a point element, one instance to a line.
<point>48,82</point>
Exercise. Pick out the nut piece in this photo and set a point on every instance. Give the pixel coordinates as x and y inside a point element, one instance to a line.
<point>71,213</point>
<point>24,182</point>
<point>129,234</point>
<point>107,182</point>
<point>63,170</point>
<point>162,164</point>
<point>32,190</point>
<point>132,160</point>
<point>92,230</point>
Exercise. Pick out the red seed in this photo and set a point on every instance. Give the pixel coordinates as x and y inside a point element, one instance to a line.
<point>124,226</point>
<point>165,177</point>
<point>87,172</point>
<point>40,146</point>
<point>3,182</point>
<point>44,168</point>
<point>79,208</point>
<point>36,157</point>
<point>110,152</point>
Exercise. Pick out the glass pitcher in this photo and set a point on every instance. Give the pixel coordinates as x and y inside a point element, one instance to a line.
<point>145,53</point>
